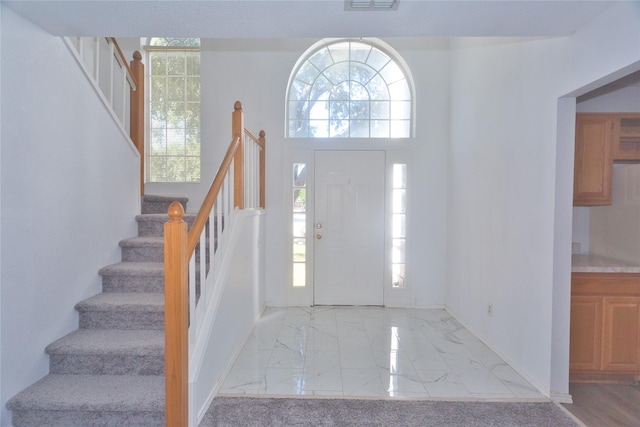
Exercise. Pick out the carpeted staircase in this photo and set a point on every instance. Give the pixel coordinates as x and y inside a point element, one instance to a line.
<point>110,372</point>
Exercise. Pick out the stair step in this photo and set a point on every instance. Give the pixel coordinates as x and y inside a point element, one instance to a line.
<point>108,352</point>
<point>153,224</point>
<point>142,249</point>
<point>91,400</point>
<point>110,372</point>
<point>122,310</point>
<point>133,277</point>
<point>154,204</point>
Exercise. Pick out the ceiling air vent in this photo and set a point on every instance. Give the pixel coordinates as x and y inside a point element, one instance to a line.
<point>368,5</point>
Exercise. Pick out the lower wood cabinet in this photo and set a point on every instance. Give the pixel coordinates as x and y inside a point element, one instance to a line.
<point>605,327</point>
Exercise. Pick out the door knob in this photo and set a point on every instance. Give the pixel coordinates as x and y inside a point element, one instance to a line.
<point>318,236</point>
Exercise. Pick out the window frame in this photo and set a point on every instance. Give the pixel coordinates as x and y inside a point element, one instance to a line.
<point>373,43</point>
<point>149,50</point>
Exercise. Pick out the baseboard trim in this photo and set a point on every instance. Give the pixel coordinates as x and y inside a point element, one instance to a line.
<point>561,397</point>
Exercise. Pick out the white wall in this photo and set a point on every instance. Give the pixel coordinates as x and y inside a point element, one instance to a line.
<point>240,305</point>
<point>503,244</point>
<point>254,72</point>
<point>257,72</point>
<point>1,9</point>
<point>69,194</point>
<point>427,215</point>
<point>624,99</point>
<point>580,230</point>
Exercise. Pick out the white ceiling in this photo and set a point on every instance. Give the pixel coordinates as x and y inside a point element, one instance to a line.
<point>307,18</point>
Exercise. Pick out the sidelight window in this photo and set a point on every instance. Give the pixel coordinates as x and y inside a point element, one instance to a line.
<point>299,209</point>
<point>399,220</point>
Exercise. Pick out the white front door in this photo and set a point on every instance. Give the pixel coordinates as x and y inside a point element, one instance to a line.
<point>349,228</point>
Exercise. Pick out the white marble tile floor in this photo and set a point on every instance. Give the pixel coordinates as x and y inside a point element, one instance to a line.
<point>370,352</point>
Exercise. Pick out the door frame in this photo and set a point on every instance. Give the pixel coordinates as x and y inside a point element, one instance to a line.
<point>302,151</point>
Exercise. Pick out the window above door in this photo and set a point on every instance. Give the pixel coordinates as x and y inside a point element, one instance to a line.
<point>350,89</point>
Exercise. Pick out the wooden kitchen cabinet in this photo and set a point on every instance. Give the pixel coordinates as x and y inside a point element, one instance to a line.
<point>605,327</point>
<point>620,341</point>
<point>593,167</point>
<point>601,140</point>
<point>586,333</point>
<point>627,139</point>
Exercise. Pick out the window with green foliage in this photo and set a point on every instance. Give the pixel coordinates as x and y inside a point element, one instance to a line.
<point>299,209</point>
<point>173,70</point>
<point>349,89</point>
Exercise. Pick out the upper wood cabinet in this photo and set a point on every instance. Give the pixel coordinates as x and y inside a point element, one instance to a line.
<point>627,140</point>
<point>601,140</point>
<point>593,167</point>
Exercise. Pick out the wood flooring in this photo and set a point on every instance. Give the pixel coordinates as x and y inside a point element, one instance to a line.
<point>605,405</point>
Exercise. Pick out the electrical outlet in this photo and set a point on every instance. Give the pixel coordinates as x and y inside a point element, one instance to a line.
<point>490,309</point>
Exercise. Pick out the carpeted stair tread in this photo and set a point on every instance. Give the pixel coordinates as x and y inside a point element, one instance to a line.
<point>109,341</point>
<point>142,249</point>
<point>122,310</point>
<point>92,393</point>
<point>123,301</point>
<point>163,217</point>
<point>133,269</point>
<point>142,241</point>
<point>108,352</point>
<point>152,198</point>
<point>152,204</point>
<point>133,277</point>
<point>153,224</point>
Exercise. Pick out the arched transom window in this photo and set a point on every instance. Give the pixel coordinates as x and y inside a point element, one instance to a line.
<point>349,89</point>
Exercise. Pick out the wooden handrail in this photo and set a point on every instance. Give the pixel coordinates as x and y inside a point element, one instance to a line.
<point>263,170</point>
<point>261,142</point>
<point>179,246</point>
<point>207,204</point>
<point>136,111</point>
<point>122,60</point>
<point>237,129</point>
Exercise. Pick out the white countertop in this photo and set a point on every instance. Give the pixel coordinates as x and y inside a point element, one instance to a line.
<point>586,263</point>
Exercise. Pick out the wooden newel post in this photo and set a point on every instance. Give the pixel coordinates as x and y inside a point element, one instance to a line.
<point>237,127</point>
<point>136,111</point>
<point>263,162</point>
<point>176,317</point>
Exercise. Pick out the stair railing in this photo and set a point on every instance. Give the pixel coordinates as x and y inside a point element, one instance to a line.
<point>192,259</point>
<point>254,166</point>
<point>120,84</point>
